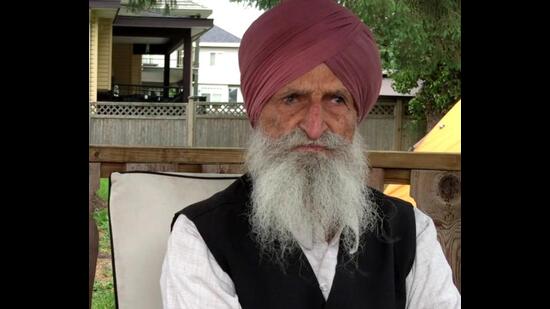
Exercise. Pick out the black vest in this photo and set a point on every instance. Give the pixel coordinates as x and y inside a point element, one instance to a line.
<point>377,282</point>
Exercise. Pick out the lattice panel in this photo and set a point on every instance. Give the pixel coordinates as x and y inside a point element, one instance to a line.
<point>382,110</point>
<point>235,110</point>
<point>138,110</point>
<point>93,108</point>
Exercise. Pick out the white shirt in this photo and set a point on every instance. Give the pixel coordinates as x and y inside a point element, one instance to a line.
<point>191,277</point>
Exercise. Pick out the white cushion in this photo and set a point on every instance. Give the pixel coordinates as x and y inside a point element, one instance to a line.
<point>141,208</point>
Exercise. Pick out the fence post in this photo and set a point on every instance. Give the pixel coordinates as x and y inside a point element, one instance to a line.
<point>190,112</point>
<point>397,124</point>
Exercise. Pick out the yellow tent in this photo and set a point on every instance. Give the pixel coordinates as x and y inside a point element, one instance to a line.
<point>444,137</point>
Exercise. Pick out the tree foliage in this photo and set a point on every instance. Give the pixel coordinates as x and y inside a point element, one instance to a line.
<point>419,41</point>
<point>144,5</point>
<point>420,45</point>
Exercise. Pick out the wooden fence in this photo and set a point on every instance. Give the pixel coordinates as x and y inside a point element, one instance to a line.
<point>214,124</point>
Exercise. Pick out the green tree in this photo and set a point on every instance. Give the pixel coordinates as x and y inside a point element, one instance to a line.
<point>419,42</point>
<point>142,5</point>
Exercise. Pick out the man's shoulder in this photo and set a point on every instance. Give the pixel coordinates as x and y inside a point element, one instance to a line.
<point>231,199</point>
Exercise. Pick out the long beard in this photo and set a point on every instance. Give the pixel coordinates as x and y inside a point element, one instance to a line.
<point>320,193</point>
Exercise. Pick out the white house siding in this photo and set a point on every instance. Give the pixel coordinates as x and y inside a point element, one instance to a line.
<point>218,72</point>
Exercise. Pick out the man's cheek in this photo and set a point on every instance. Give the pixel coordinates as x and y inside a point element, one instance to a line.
<point>272,125</point>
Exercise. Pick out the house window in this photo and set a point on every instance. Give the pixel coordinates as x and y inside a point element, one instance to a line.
<point>205,94</point>
<point>233,90</point>
<point>216,97</point>
<point>212,58</point>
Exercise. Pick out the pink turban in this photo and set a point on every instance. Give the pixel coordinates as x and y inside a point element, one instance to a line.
<point>297,35</point>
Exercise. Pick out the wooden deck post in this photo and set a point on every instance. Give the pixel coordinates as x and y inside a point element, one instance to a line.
<point>376,179</point>
<point>93,234</point>
<point>438,194</point>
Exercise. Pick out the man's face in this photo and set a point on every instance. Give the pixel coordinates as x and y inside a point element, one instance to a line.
<point>306,146</point>
<point>316,102</point>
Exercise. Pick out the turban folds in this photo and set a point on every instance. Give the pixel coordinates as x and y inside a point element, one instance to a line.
<point>297,35</point>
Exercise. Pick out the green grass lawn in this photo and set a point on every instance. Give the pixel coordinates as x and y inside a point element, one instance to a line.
<point>103,292</point>
<point>101,218</point>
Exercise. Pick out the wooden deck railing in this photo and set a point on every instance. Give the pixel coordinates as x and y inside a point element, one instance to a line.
<point>434,179</point>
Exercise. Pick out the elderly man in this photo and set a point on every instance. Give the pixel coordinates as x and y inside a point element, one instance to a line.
<point>301,229</point>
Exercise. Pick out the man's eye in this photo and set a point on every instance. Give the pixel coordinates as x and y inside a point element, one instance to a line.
<point>289,99</point>
<point>339,100</point>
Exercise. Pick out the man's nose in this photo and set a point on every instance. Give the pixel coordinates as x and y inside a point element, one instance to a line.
<point>313,123</point>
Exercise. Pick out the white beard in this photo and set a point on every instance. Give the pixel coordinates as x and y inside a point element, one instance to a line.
<point>320,193</point>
